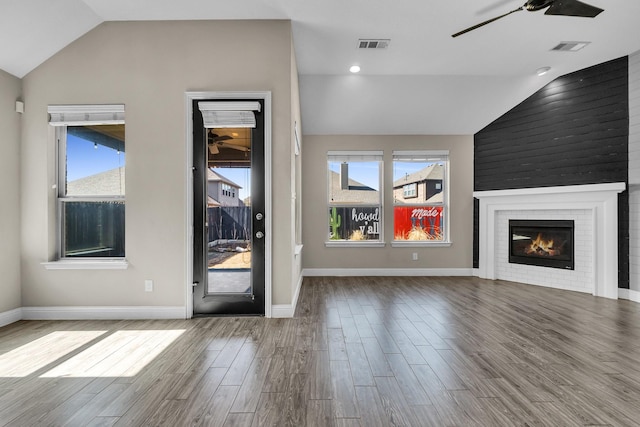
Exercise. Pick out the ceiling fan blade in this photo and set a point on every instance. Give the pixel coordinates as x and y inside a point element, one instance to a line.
<point>573,8</point>
<point>459,33</point>
<point>235,147</point>
<point>214,137</point>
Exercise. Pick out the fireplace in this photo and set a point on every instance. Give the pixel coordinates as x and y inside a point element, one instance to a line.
<point>545,243</point>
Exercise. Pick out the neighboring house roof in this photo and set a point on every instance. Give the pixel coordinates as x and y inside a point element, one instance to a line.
<point>357,192</point>
<point>215,176</point>
<point>212,203</point>
<point>434,171</point>
<point>436,198</point>
<point>108,183</point>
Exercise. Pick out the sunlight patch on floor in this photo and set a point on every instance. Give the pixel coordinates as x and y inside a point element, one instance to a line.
<point>121,354</point>
<point>44,351</point>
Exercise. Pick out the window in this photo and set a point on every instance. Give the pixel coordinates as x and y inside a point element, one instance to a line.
<point>420,197</point>
<point>91,181</point>
<point>410,190</point>
<point>354,197</point>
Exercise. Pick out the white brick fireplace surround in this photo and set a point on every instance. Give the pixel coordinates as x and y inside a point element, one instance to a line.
<point>594,209</point>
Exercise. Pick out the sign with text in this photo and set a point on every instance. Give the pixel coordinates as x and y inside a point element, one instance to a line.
<point>417,223</point>
<point>354,223</point>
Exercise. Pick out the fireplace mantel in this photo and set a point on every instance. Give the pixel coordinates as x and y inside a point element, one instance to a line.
<point>600,199</point>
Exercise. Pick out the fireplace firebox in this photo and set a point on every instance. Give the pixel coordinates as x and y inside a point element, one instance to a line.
<point>545,243</point>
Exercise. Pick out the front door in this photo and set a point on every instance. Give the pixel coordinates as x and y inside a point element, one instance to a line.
<point>229,207</point>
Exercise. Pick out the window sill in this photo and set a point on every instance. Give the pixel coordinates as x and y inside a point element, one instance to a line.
<point>87,265</point>
<point>419,244</point>
<point>360,244</point>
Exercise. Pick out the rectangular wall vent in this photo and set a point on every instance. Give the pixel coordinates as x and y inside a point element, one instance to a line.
<point>373,43</point>
<point>570,46</point>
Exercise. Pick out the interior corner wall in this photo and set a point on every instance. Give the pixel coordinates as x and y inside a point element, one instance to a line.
<point>634,172</point>
<point>315,213</point>
<point>149,66</point>
<point>573,131</point>
<point>296,178</point>
<point>10,289</point>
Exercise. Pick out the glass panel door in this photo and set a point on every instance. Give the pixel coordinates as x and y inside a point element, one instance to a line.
<point>229,218</point>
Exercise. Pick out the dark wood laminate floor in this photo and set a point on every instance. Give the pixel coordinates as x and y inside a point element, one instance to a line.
<point>364,351</point>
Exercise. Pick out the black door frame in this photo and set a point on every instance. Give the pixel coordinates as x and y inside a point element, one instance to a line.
<point>191,101</point>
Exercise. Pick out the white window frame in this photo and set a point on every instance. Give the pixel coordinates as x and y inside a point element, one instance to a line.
<point>427,155</point>
<point>410,190</point>
<point>356,156</point>
<point>62,116</point>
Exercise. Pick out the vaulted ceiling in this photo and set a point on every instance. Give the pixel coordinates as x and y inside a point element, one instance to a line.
<point>425,82</point>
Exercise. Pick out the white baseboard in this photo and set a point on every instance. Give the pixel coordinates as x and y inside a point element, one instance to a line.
<point>476,272</point>
<point>315,272</point>
<point>10,316</point>
<point>629,294</point>
<point>288,310</point>
<point>95,313</point>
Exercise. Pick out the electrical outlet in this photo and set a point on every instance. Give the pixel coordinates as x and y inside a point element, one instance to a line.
<point>148,285</point>
<point>414,256</point>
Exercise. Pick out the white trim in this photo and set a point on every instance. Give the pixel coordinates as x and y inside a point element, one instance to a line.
<point>282,311</point>
<point>629,294</point>
<point>419,244</point>
<point>298,250</point>
<point>617,187</point>
<point>399,272</point>
<point>354,244</point>
<point>189,98</point>
<point>476,272</point>
<point>11,316</point>
<point>86,265</point>
<point>288,310</point>
<point>97,313</point>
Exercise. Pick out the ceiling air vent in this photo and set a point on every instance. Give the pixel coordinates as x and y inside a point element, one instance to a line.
<point>570,46</point>
<point>373,43</point>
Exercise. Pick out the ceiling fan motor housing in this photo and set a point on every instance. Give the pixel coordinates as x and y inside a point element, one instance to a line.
<point>533,5</point>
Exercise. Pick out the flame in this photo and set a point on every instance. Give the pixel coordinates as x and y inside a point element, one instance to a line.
<point>541,246</point>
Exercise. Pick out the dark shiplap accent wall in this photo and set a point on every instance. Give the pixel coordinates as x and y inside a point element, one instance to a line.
<point>573,131</point>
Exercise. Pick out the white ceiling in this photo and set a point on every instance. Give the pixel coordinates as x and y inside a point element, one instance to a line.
<point>426,82</point>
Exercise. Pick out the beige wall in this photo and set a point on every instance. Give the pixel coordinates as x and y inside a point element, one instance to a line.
<point>315,212</point>
<point>10,92</point>
<point>149,66</point>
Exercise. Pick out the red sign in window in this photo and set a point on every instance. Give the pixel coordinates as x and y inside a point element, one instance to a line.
<point>414,223</point>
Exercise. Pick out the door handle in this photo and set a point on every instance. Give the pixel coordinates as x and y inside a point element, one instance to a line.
<point>259,235</point>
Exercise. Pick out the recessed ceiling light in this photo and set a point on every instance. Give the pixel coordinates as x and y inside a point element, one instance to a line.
<point>542,71</point>
<point>355,69</point>
<point>570,46</point>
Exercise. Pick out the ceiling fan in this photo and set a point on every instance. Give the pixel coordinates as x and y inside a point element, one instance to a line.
<point>214,141</point>
<point>555,7</point>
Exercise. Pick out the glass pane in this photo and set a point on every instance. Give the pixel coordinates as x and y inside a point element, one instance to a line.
<point>93,229</point>
<point>354,223</point>
<point>95,160</point>
<point>418,223</point>
<point>354,200</point>
<point>417,182</point>
<point>354,183</point>
<point>229,220</point>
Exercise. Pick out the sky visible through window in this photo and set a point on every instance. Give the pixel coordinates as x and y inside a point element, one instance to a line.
<point>84,158</point>
<point>367,172</point>
<point>241,176</point>
<point>404,168</point>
